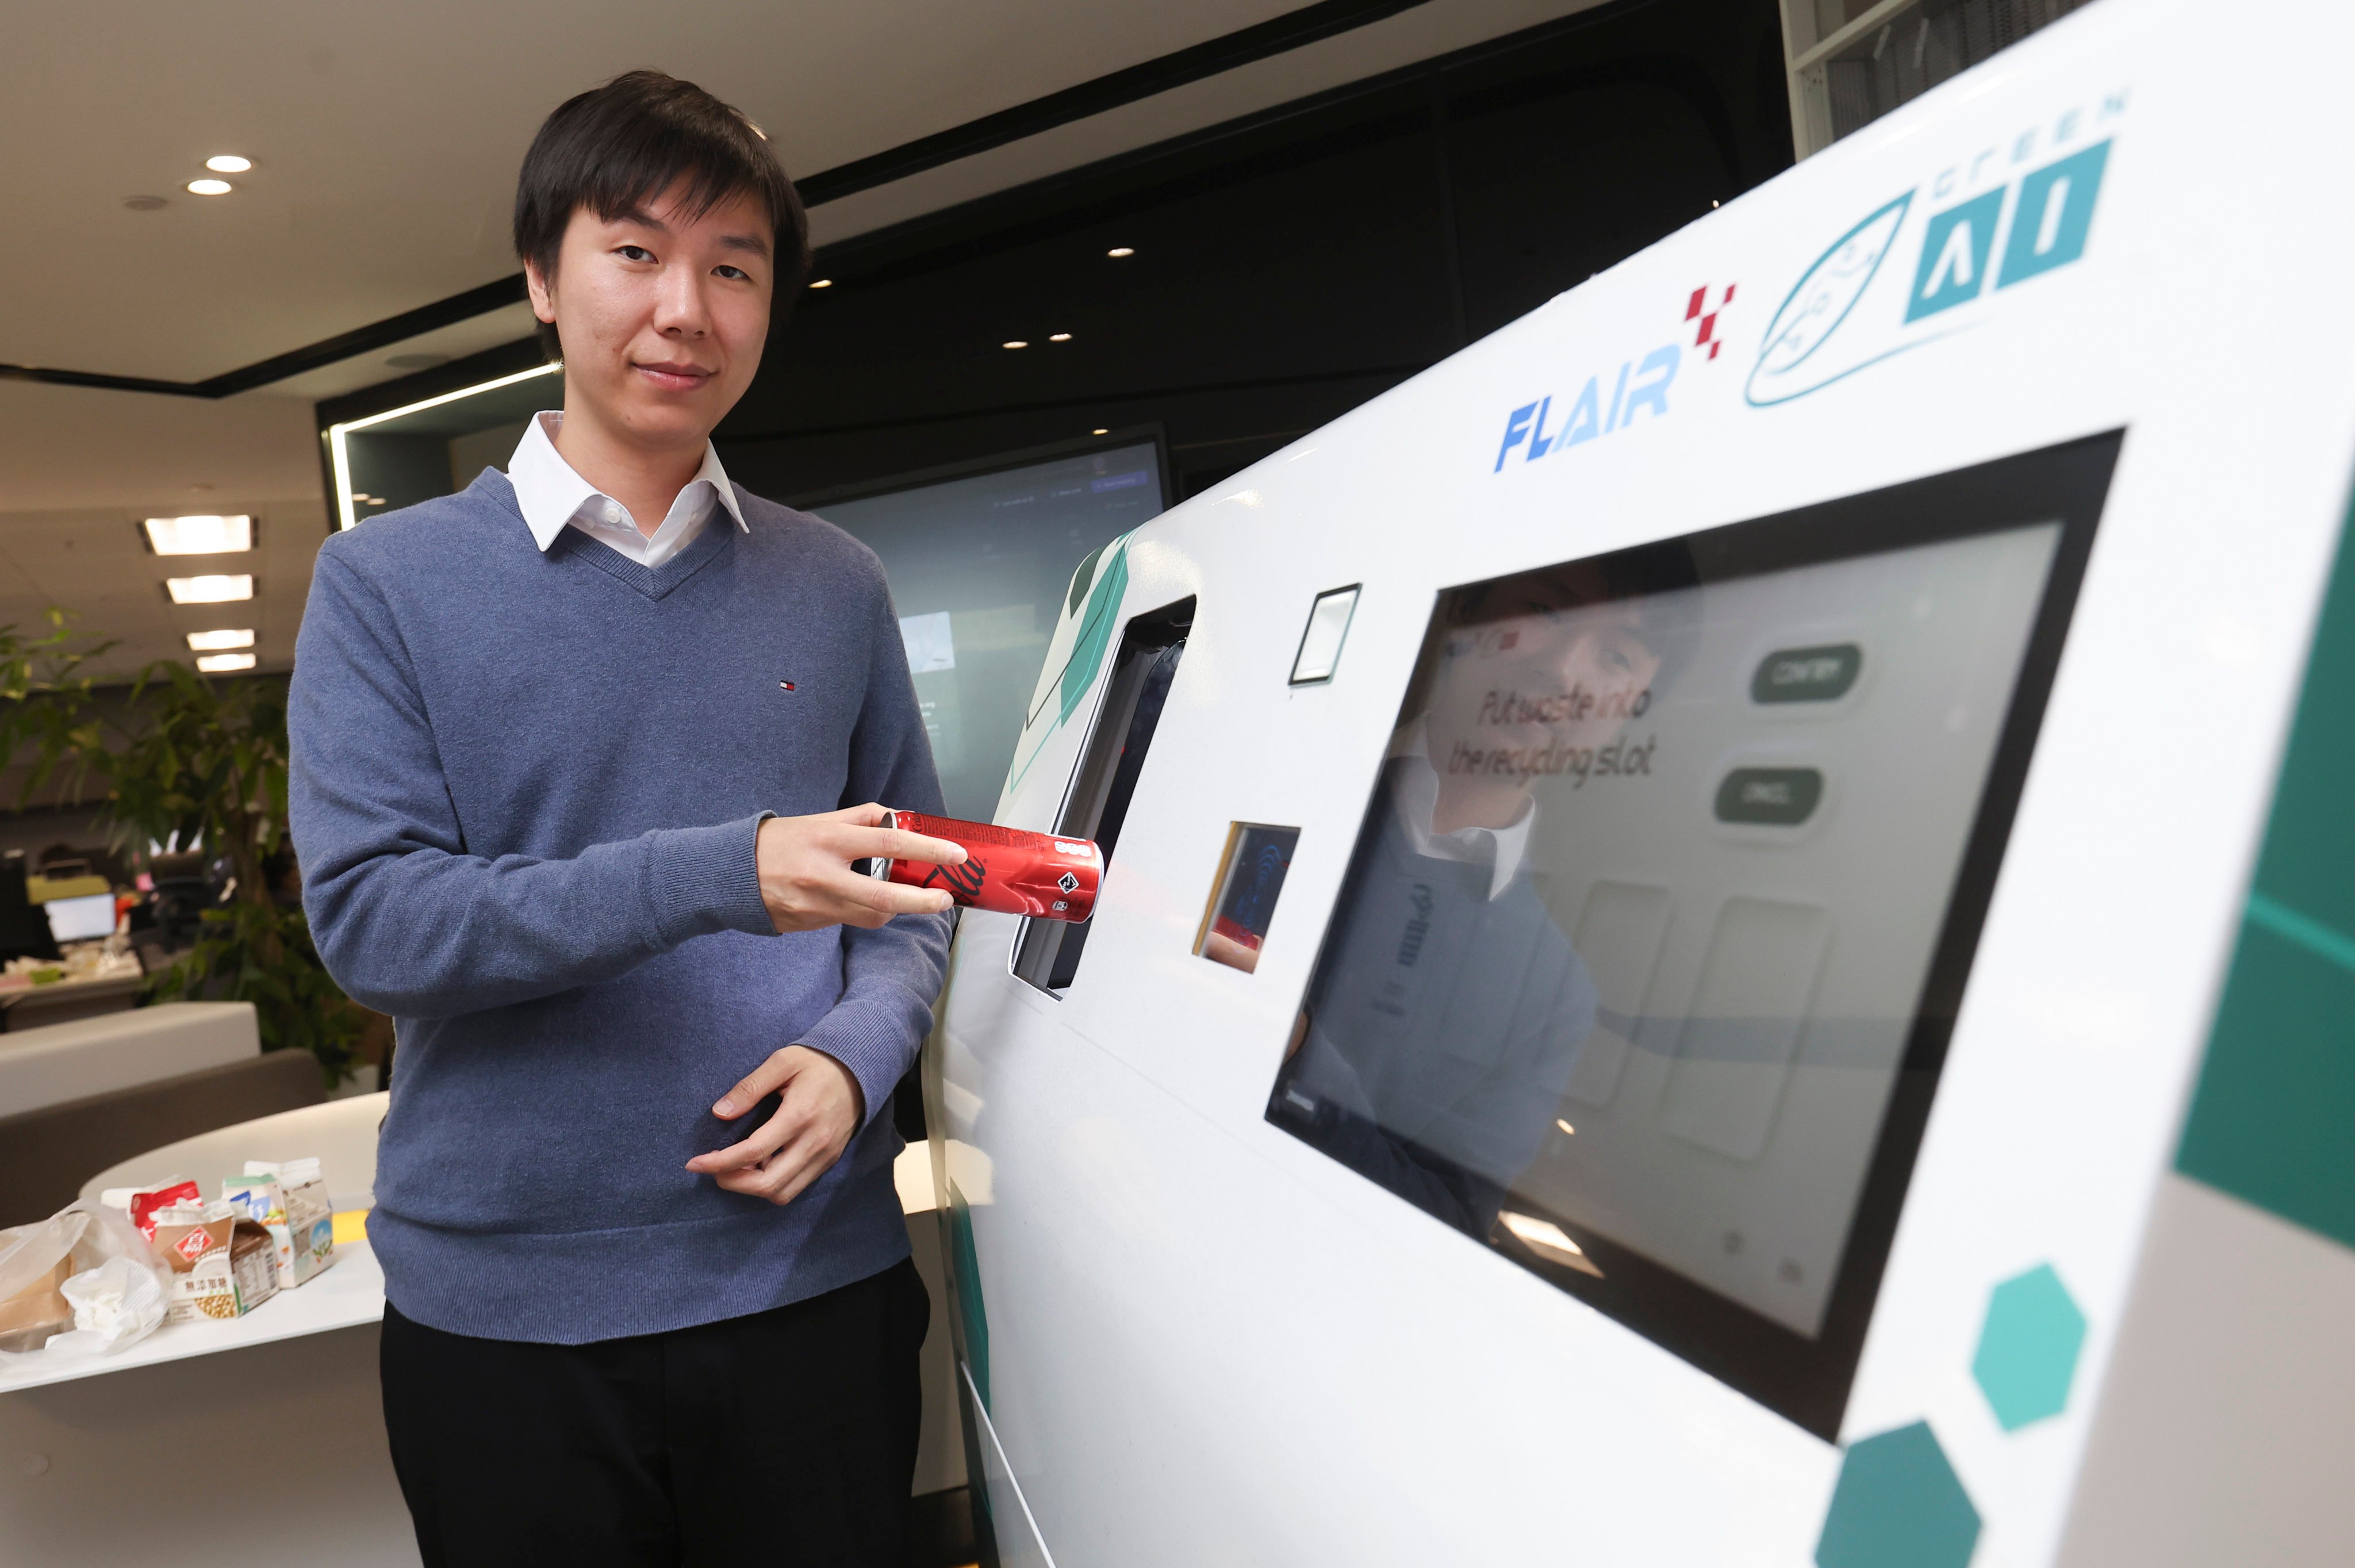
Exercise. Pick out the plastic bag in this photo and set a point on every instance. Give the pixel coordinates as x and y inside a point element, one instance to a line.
<point>116,1304</point>
<point>116,1290</point>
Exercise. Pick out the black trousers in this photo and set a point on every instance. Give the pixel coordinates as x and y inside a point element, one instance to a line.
<point>784,1438</point>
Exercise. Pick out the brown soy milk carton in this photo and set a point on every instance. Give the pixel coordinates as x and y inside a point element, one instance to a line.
<point>222,1266</point>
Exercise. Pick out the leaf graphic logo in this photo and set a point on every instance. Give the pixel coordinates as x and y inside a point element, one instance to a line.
<point>1817,306</point>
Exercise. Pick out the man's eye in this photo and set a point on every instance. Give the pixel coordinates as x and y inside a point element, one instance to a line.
<point>728,272</point>
<point>635,253</point>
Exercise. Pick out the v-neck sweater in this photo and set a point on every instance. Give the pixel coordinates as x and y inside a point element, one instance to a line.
<point>524,792</point>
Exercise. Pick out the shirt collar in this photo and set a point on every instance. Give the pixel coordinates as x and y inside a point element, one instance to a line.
<point>1414,794</point>
<point>548,492</point>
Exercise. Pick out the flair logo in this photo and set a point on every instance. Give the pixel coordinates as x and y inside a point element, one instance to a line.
<point>1640,385</point>
<point>1840,317</point>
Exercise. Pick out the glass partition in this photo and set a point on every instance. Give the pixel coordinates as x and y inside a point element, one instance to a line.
<point>978,561</point>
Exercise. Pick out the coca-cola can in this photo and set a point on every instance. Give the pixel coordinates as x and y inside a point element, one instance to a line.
<point>1041,874</point>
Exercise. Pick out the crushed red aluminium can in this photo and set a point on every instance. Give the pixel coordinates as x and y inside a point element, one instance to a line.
<point>1040,874</point>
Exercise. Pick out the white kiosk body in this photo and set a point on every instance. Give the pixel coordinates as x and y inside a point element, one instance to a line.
<point>1730,927</point>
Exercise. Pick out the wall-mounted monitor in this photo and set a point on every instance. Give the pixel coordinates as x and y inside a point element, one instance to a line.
<point>1658,921</point>
<point>979,558</point>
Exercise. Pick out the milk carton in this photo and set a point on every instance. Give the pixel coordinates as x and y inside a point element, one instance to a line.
<point>289,1200</point>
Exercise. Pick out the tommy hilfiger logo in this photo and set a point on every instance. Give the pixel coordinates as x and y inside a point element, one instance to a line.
<point>788,686</point>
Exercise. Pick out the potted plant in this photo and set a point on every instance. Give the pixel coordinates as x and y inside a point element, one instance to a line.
<point>183,759</point>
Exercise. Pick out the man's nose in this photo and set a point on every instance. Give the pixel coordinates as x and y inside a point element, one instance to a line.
<point>679,308</point>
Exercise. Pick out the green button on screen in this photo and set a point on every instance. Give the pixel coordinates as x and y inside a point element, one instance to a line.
<point>1806,675</point>
<point>1778,797</point>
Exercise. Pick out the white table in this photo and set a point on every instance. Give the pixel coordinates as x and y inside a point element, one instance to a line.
<point>276,1413</point>
<point>285,1399</point>
<point>349,1294</point>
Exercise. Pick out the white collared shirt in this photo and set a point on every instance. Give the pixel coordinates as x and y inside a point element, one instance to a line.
<point>551,495</point>
<point>1414,794</point>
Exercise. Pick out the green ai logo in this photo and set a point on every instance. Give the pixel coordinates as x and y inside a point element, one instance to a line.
<point>1842,316</point>
<point>2054,209</point>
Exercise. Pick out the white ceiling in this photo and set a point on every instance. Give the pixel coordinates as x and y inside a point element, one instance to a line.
<point>385,139</point>
<point>94,562</point>
<point>80,467</point>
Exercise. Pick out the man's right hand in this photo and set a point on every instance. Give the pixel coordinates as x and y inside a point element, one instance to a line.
<point>808,883</point>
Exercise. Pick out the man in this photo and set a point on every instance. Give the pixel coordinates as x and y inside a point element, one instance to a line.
<point>581,758</point>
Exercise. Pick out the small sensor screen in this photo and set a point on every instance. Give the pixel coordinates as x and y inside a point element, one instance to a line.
<point>1320,641</point>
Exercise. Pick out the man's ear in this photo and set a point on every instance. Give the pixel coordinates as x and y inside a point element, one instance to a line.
<point>543,292</point>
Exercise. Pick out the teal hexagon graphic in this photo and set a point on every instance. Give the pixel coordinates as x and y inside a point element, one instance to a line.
<point>1898,1504</point>
<point>2028,1348</point>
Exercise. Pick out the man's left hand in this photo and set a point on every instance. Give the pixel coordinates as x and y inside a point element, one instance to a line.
<point>819,1107</point>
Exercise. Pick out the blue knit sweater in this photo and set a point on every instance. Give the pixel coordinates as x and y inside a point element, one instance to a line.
<point>525,793</point>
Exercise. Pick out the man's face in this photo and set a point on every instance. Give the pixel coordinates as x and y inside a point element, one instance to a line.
<point>663,315</point>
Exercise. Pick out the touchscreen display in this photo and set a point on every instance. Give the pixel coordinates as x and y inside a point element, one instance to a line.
<point>1662,894</point>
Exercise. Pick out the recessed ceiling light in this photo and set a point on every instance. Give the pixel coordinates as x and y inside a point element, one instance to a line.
<point>199,535</point>
<point>212,589</point>
<point>209,187</point>
<point>227,637</point>
<point>1119,250</point>
<point>1100,430</point>
<point>1059,338</point>
<point>227,164</point>
<point>1016,343</point>
<point>220,664</point>
<point>821,283</point>
<point>143,203</point>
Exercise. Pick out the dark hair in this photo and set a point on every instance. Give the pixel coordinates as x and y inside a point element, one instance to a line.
<point>616,147</point>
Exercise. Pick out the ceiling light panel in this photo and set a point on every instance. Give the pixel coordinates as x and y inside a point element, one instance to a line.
<point>227,637</point>
<point>221,589</point>
<point>221,664</point>
<point>199,535</point>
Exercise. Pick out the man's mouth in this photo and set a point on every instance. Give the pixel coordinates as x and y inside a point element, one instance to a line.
<point>672,376</point>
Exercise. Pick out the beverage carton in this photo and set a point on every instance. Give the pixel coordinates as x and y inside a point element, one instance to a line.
<point>289,1200</point>
<point>221,1265</point>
